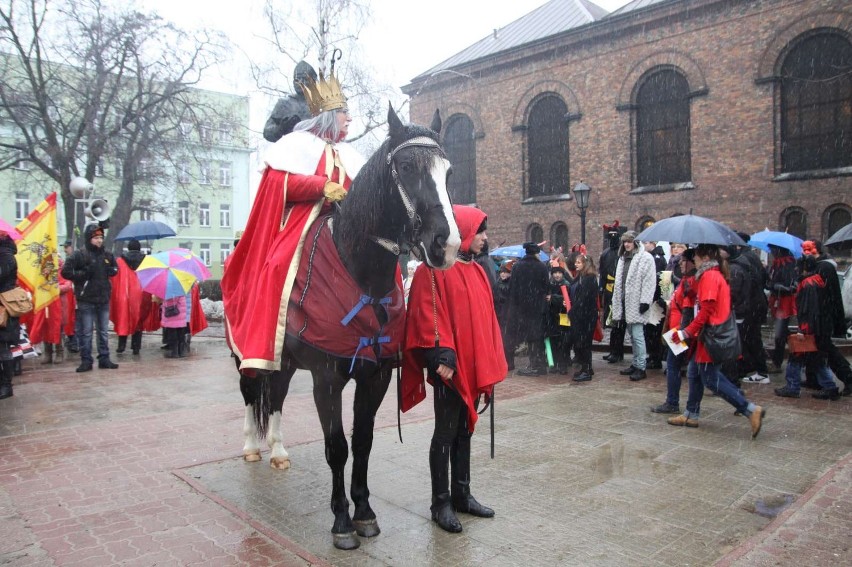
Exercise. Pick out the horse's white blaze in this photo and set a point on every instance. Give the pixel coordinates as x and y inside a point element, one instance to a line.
<point>251,446</point>
<point>275,439</point>
<point>439,176</point>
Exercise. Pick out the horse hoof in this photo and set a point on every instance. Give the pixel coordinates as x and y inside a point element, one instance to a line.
<point>346,541</point>
<point>279,463</point>
<point>367,528</point>
<point>252,457</point>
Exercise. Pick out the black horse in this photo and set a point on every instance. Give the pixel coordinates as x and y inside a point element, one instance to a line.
<point>398,200</point>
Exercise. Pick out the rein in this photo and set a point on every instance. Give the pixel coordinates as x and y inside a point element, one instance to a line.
<point>413,218</point>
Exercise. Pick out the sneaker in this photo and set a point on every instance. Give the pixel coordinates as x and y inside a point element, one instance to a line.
<point>85,367</point>
<point>532,372</point>
<point>108,365</point>
<point>682,421</point>
<point>628,371</point>
<point>756,378</point>
<point>638,375</point>
<point>665,408</point>
<point>832,394</point>
<point>786,392</point>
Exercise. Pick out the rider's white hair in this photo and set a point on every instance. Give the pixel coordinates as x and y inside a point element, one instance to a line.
<point>323,125</point>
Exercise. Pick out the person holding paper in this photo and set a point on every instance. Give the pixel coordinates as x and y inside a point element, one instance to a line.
<point>714,307</point>
<point>681,313</point>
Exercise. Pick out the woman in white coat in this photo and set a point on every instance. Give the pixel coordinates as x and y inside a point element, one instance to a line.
<point>635,282</point>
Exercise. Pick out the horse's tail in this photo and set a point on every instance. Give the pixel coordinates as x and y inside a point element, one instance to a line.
<point>261,387</point>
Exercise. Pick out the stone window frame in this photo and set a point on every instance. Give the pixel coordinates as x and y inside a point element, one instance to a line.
<point>783,223</point>
<point>463,169</point>
<point>626,102</point>
<point>534,232</point>
<point>554,237</point>
<point>520,127</point>
<point>768,72</point>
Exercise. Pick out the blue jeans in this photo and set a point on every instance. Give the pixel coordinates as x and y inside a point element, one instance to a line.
<point>674,363</point>
<point>794,371</point>
<point>696,391</point>
<point>89,315</point>
<point>717,383</point>
<point>637,341</point>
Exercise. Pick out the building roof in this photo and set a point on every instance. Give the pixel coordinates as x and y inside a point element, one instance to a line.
<point>554,17</point>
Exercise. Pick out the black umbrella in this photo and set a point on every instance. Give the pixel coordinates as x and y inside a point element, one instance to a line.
<point>691,229</point>
<point>145,230</point>
<point>842,236</point>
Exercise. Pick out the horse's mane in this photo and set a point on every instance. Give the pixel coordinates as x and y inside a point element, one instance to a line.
<point>372,188</point>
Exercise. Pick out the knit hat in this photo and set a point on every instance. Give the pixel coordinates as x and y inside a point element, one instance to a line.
<point>630,235</point>
<point>809,248</point>
<point>554,269</point>
<point>134,245</point>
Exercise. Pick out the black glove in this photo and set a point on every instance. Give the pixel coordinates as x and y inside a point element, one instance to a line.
<point>643,307</point>
<point>661,302</point>
<point>781,288</point>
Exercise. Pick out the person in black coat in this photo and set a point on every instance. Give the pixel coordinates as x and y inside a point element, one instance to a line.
<point>501,308</point>
<point>748,300</point>
<point>584,314</point>
<point>528,289</point>
<point>607,265</point>
<point>11,333</point>
<point>90,268</point>
<point>560,335</point>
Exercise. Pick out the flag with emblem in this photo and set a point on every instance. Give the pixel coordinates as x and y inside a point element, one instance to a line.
<point>38,261</point>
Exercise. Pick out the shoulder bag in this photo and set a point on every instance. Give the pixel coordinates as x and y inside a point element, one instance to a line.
<point>801,343</point>
<point>16,301</point>
<point>722,341</point>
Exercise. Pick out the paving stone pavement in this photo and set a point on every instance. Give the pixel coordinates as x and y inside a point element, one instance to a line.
<point>142,466</point>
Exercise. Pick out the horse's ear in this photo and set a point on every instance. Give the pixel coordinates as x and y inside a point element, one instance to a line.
<point>436,122</point>
<point>395,126</point>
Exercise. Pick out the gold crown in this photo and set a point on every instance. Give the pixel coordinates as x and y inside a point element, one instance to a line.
<point>323,95</point>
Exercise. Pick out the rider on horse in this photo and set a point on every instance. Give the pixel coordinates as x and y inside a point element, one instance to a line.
<point>306,171</point>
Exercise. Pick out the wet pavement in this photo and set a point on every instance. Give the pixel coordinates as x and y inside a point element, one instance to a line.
<point>142,466</point>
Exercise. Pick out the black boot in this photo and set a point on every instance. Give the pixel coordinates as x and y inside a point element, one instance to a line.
<point>136,342</point>
<point>463,500</point>
<point>585,374</point>
<point>6,379</point>
<point>48,354</point>
<point>442,508</point>
<point>173,350</point>
<point>122,344</point>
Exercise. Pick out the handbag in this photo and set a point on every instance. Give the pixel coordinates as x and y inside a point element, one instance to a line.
<point>16,301</point>
<point>801,343</point>
<point>171,311</point>
<point>722,341</point>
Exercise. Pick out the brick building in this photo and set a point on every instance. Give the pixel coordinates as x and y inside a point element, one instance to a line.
<point>738,110</point>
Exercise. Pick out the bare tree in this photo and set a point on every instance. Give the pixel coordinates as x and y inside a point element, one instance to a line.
<point>82,82</point>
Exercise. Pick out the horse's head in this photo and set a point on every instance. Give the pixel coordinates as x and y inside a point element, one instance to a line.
<point>420,169</point>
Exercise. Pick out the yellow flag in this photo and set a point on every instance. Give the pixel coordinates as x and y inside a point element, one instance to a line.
<point>38,260</point>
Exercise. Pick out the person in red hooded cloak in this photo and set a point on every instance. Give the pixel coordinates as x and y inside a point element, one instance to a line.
<point>452,333</point>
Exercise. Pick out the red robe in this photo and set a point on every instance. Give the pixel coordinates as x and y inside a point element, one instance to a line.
<point>197,319</point>
<point>125,301</point>
<point>261,270</point>
<point>149,316</point>
<point>466,323</point>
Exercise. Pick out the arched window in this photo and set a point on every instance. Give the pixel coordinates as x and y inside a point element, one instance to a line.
<point>835,218</point>
<point>547,147</point>
<point>816,104</point>
<point>559,235</point>
<point>795,221</point>
<point>662,130</point>
<point>460,146</point>
<point>644,222</point>
<point>535,233</point>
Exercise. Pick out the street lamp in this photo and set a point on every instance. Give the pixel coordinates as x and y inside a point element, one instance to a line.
<point>581,195</point>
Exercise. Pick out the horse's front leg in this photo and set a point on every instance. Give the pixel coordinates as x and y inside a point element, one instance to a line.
<point>328,387</point>
<point>250,389</point>
<point>370,390</point>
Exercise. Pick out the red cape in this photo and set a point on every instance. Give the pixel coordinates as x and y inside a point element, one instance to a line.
<point>125,300</point>
<point>261,270</point>
<point>149,313</point>
<point>197,319</point>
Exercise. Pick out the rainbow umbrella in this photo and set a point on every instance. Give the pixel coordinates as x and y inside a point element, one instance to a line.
<point>183,259</point>
<point>162,280</point>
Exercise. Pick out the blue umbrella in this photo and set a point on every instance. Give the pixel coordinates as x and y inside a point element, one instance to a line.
<point>516,251</point>
<point>786,240</point>
<point>145,230</point>
<point>691,229</point>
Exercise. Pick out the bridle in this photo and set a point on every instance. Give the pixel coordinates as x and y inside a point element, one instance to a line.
<point>413,218</point>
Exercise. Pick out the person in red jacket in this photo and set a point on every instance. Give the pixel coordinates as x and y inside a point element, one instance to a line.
<point>681,313</point>
<point>714,307</point>
<point>452,332</point>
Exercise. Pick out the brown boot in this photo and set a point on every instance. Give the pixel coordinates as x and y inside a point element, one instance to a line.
<point>682,420</point>
<point>756,419</point>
